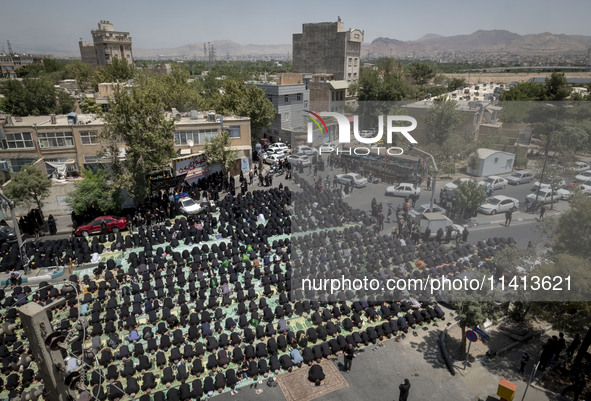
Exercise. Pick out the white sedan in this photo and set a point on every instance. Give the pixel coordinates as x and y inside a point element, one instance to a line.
<point>279,146</point>
<point>357,180</point>
<point>306,150</point>
<point>299,159</point>
<point>271,159</point>
<point>584,176</point>
<point>493,182</point>
<point>189,206</point>
<point>579,167</point>
<point>546,185</point>
<point>545,196</point>
<point>326,148</point>
<point>450,187</point>
<point>499,204</point>
<point>403,189</point>
<point>418,211</point>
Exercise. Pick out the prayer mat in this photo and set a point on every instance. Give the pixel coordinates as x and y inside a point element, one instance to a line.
<point>296,386</point>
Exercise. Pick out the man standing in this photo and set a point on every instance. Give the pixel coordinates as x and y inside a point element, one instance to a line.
<point>508,218</point>
<point>404,389</point>
<point>349,354</point>
<point>465,234</point>
<point>429,183</point>
<point>542,212</point>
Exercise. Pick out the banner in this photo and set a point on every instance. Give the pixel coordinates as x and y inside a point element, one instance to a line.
<point>191,166</point>
<point>166,183</point>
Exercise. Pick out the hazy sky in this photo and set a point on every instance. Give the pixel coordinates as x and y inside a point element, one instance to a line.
<point>57,25</point>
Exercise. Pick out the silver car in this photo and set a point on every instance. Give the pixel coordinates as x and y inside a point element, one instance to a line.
<point>355,179</point>
<point>520,177</point>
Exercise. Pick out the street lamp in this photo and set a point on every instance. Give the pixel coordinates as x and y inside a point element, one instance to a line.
<point>547,151</point>
<point>412,147</point>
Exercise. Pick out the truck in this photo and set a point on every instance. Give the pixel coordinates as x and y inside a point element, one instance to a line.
<point>435,221</point>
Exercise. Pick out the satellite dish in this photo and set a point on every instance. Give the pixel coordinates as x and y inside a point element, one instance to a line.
<point>190,142</point>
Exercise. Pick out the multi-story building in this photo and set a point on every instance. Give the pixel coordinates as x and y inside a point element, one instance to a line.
<point>107,45</point>
<point>290,97</point>
<point>68,142</point>
<point>11,62</point>
<point>326,48</point>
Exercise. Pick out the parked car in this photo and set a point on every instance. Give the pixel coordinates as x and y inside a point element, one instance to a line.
<point>307,150</point>
<point>579,167</point>
<point>326,148</point>
<point>114,224</point>
<point>494,182</point>
<point>403,189</point>
<point>299,159</point>
<point>546,184</point>
<point>7,234</point>
<point>546,195</point>
<point>279,146</point>
<point>435,221</point>
<point>520,177</point>
<point>275,151</point>
<point>272,158</point>
<point>450,187</point>
<point>566,191</point>
<point>264,142</point>
<point>585,187</point>
<point>357,180</point>
<point>188,206</point>
<point>499,204</point>
<point>584,176</point>
<point>418,211</point>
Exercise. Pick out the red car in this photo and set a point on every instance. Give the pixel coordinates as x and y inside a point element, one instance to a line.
<point>114,224</point>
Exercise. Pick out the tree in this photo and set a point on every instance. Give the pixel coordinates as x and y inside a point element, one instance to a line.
<point>176,90</point>
<point>29,184</point>
<point>95,192</point>
<point>248,102</point>
<point>421,73</point>
<point>137,121</point>
<point>89,106</point>
<point>82,73</point>
<point>524,91</point>
<point>455,83</point>
<point>34,96</point>
<point>572,234</point>
<point>472,313</point>
<point>442,120</point>
<point>218,152</point>
<point>468,196</point>
<point>554,175</point>
<point>557,87</point>
<point>65,102</point>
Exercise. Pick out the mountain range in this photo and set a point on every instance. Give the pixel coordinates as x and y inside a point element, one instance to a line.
<point>482,41</point>
<point>494,41</point>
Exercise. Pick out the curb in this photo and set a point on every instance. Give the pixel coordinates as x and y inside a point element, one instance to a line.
<point>485,223</point>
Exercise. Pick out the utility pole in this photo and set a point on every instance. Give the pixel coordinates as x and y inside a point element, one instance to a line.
<point>46,346</point>
<point>435,171</point>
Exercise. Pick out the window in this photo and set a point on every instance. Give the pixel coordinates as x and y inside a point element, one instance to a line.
<point>18,140</point>
<point>496,160</point>
<point>89,137</point>
<point>197,136</point>
<point>350,59</point>
<point>234,131</point>
<point>48,140</point>
<point>92,159</point>
<point>286,98</point>
<point>355,61</point>
<point>299,96</point>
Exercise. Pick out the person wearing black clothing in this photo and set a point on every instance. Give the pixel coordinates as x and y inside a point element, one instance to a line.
<point>508,218</point>
<point>316,374</point>
<point>404,389</point>
<point>577,387</point>
<point>349,353</point>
